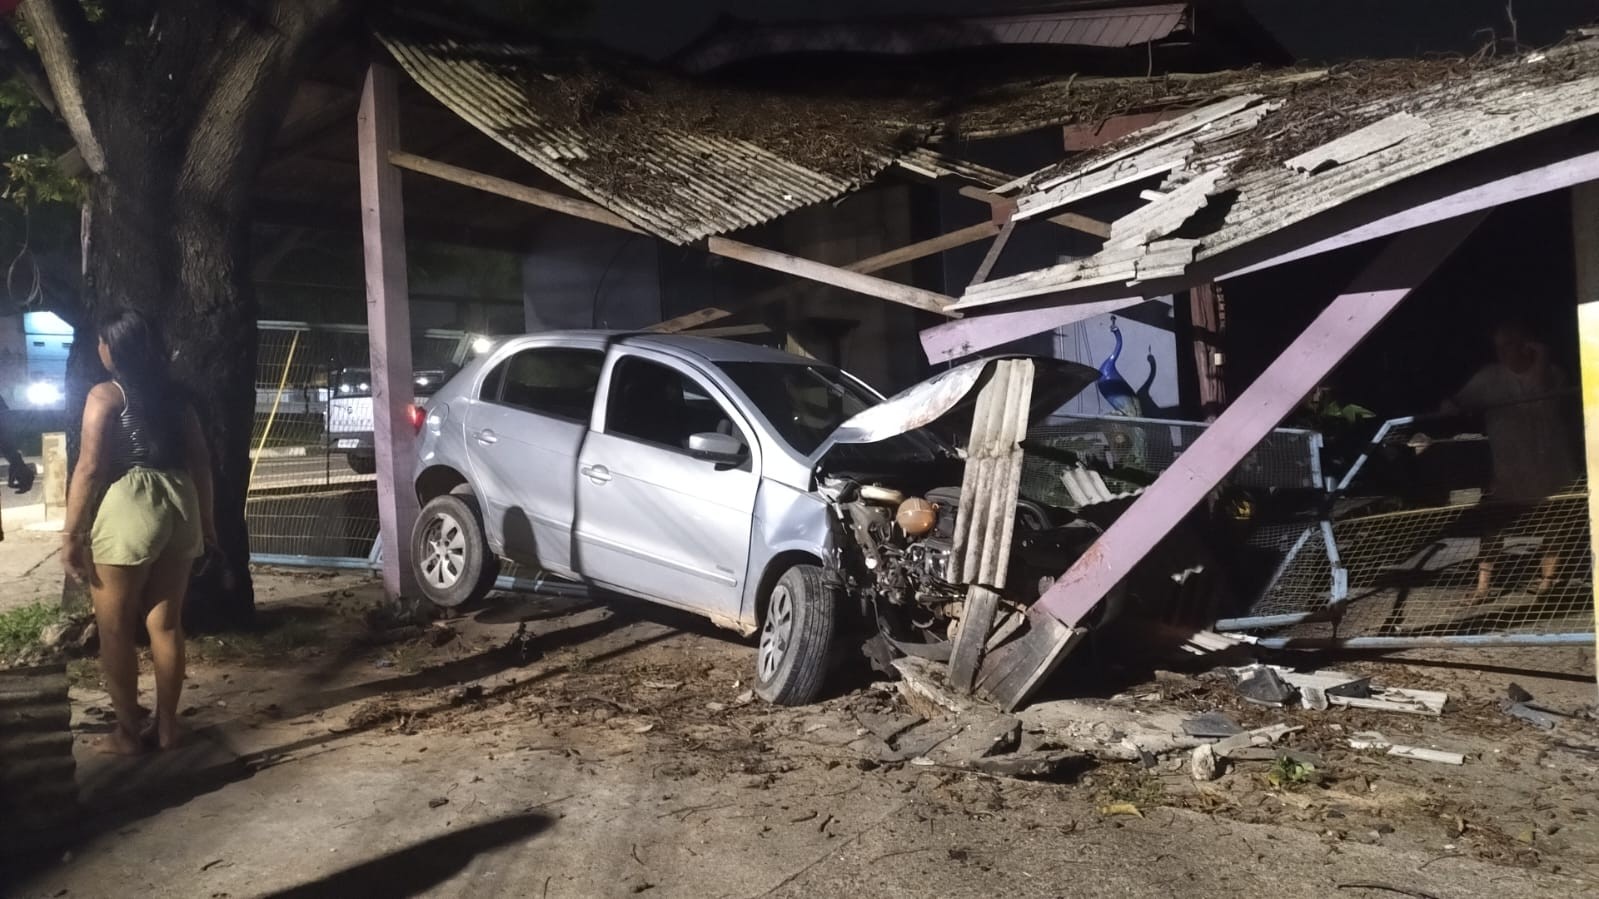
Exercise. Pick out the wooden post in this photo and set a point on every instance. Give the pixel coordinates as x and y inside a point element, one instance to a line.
<point>388,315</point>
<point>1585,237</point>
<point>1009,675</point>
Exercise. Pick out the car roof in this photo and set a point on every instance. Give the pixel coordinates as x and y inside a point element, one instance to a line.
<point>709,349</point>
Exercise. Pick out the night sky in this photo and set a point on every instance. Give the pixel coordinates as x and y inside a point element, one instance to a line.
<point>1314,30</point>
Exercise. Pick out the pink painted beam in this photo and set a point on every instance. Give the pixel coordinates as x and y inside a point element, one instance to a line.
<point>952,340</point>
<point>388,314</point>
<point>1398,269</point>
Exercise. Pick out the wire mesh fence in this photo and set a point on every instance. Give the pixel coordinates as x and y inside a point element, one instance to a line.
<point>1412,549</point>
<point>1461,569</point>
<point>312,490</point>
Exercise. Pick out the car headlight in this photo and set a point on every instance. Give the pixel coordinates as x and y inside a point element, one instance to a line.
<point>42,393</point>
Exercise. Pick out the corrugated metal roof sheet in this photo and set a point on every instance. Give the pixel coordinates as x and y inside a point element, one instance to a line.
<point>1421,128</point>
<point>671,162</point>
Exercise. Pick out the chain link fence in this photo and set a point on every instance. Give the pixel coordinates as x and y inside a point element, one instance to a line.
<point>312,495</point>
<point>1406,551</point>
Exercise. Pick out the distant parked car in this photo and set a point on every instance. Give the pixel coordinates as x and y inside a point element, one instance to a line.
<point>763,490</point>
<point>350,412</point>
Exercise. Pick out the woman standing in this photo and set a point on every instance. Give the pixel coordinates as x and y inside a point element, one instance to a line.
<point>138,515</point>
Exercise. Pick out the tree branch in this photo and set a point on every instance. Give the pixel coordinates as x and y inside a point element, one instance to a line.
<point>28,68</point>
<point>62,33</point>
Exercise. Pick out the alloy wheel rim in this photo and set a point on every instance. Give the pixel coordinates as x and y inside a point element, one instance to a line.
<point>443,551</point>
<point>776,633</point>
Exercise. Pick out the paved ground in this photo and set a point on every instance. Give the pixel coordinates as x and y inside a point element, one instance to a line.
<point>549,748</point>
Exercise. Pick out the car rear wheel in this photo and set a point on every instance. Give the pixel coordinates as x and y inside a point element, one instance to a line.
<point>792,661</point>
<point>449,554</point>
<point>362,464</point>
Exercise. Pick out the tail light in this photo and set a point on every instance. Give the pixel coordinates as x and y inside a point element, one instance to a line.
<point>417,415</point>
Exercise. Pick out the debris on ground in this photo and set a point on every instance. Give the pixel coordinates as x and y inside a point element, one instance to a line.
<point>1238,745</point>
<point>1203,764</point>
<point>1274,685</point>
<point>1539,719</point>
<point>1375,740</point>
<point>1212,724</point>
<point>1262,685</point>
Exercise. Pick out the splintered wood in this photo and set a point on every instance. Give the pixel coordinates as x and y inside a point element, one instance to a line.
<point>987,516</point>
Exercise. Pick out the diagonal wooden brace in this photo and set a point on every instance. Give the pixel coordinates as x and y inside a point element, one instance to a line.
<point>1403,265</point>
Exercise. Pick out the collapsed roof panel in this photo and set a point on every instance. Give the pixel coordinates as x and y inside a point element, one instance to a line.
<point>680,162</point>
<point>1287,158</point>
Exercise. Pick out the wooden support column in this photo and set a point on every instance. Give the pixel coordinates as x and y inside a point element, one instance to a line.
<point>1585,236</point>
<point>388,314</point>
<point>1402,266</point>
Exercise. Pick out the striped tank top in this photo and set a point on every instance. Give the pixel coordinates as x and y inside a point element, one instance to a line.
<point>135,443</point>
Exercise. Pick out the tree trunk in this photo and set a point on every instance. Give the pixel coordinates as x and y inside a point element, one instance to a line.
<point>173,105</point>
<point>179,262</point>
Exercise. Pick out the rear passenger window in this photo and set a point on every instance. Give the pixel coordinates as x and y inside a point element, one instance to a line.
<point>548,380</point>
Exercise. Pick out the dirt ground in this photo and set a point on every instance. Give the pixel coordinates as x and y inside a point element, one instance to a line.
<point>548,747</point>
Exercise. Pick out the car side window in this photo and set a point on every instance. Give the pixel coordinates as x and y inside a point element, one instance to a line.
<point>658,404</point>
<point>555,381</point>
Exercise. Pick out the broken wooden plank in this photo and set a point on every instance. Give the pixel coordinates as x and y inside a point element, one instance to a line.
<point>904,294</point>
<point>995,249</point>
<point>1395,699</point>
<point>502,187</point>
<point>879,262</point>
<point>1375,740</point>
<point>924,686</point>
<point>1373,138</point>
<point>1074,220</point>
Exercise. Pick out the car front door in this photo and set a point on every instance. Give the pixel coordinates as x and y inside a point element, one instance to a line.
<point>654,519</point>
<point>523,435</point>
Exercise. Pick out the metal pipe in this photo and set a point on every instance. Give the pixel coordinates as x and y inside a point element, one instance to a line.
<point>287,560</point>
<point>1262,622</point>
<point>1474,640</point>
<point>541,584</point>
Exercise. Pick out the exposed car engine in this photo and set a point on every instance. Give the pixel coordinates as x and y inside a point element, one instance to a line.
<point>897,561</point>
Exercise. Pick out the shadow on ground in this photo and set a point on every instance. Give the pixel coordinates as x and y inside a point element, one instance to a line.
<point>420,867</point>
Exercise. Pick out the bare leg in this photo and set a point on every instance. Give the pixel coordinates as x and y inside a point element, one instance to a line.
<point>163,598</point>
<point>1549,569</point>
<point>116,591</point>
<point>1485,580</point>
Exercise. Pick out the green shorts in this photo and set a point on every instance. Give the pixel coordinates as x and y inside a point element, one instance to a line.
<point>145,515</point>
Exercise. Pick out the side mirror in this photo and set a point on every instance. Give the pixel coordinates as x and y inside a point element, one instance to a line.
<point>720,448</point>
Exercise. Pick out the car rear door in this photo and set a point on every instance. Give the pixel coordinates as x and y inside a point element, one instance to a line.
<point>522,437</point>
<point>653,519</point>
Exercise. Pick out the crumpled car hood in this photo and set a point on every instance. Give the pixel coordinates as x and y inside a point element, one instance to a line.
<point>950,397</point>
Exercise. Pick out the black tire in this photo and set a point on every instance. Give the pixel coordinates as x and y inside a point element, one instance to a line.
<point>449,554</point>
<point>362,464</point>
<point>793,657</point>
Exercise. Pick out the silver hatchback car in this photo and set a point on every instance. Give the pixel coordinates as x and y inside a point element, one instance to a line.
<point>690,472</point>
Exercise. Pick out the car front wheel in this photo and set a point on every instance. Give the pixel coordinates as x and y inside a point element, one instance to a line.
<point>449,554</point>
<point>792,661</point>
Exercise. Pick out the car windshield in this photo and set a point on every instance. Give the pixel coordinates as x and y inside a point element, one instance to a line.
<point>804,403</point>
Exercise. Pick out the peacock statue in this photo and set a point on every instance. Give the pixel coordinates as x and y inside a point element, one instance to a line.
<point>1123,399</point>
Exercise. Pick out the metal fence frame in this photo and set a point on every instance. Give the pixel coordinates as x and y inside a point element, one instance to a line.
<point>1338,592</point>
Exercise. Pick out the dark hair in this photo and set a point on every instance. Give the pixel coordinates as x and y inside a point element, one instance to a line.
<point>139,357</point>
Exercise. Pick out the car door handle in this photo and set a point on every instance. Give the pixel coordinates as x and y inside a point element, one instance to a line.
<point>486,437</point>
<point>599,474</point>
